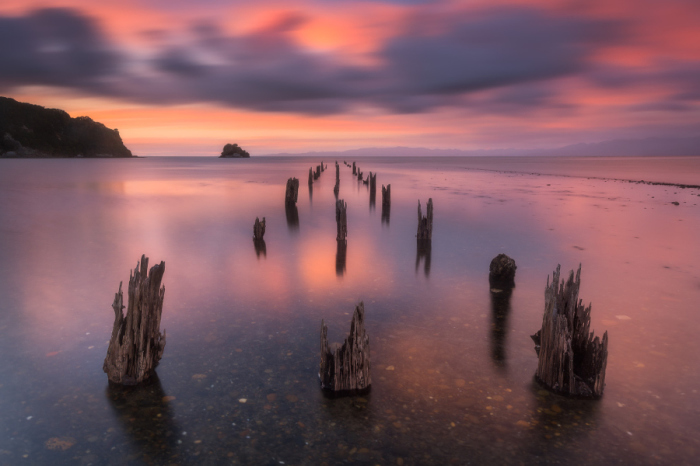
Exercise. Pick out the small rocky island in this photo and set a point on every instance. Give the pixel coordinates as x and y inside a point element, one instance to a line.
<point>233,151</point>
<point>32,131</point>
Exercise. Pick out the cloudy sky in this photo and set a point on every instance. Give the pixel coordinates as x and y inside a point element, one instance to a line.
<point>185,77</point>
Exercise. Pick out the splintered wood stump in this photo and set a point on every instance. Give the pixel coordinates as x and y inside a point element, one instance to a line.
<point>571,360</point>
<point>341,220</point>
<point>336,188</point>
<point>502,272</point>
<point>311,176</point>
<point>317,174</point>
<point>346,369</point>
<point>386,195</point>
<point>359,174</point>
<point>137,345</point>
<point>292,192</point>
<point>259,229</point>
<point>425,224</point>
<point>372,182</point>
<point>323,169</point>
<point>354,169</point>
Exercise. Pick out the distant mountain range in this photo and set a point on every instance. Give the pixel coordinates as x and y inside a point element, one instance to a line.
<point>655,146</point>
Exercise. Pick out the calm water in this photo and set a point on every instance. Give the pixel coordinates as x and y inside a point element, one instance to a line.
<point>453,364</point>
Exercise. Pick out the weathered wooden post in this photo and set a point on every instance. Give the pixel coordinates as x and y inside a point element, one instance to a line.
<point>373,182</point>
<point>354,169</point>
<point>259,229</point>
<point>292,191</point>
<point>345,370</point>
<point>311,176</point>
<point>317,174</point>
<point>341,220</point>
<point>137,345</point>
<point>570,360</point>
<point>502,272</point>
<point>386,196</point>
<point>500,310</point>
<point>425,224</point>
<point>323,169</point>
<point>336,188</point>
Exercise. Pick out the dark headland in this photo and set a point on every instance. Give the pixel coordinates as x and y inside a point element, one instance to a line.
<point>32,131</point>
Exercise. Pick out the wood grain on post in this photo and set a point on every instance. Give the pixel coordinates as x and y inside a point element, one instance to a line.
<point>571,361</point>
<point>346,369</point>
<point>137,345</point>
<point>292,191</point>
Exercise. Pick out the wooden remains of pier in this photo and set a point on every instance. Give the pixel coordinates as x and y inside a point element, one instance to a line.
<point>292,191</point>
<point>137,345</point>
<point>346,369</point>
<point>571,360</point>
<point>341,220</point>
<point>425,224</point>
<point>259,229</point>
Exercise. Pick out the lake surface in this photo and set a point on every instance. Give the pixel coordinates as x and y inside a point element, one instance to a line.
<point>452,362</point>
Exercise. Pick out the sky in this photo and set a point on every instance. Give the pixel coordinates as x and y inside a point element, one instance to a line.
<point>179,77</point>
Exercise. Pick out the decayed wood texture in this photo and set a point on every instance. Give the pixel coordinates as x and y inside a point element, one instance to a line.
<point>571,360</point>
<point>502,271</point>
<point>292,192</point>
<point>347,368</point>
<point>386,195</point>
<point>259,229</point>
<point>341,219</point>
<point>137,345</point>
<point>425,224</point>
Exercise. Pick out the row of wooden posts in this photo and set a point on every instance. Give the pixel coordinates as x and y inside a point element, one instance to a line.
<point>571,360</point>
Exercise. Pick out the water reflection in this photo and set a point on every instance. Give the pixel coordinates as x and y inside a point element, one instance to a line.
<point>292,217</point>
<point>260,247</point>
<point>145,414</point>
<point>340,255</point>
<point>423,248</point>
<point>386,213</point>
<point>311,193</point>
<point>372,199</point>
<point>558,421</point>
<point>500,310</point>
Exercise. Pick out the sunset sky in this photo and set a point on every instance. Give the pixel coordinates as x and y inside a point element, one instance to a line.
<point>183,78</point>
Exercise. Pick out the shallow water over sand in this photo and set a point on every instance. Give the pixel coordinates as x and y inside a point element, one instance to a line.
<point>453,363</point>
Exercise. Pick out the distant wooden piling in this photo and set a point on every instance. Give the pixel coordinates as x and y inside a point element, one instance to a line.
<point>311,176</point>
<point>292,191</point>
<point>336,188</point>
<point>502,272</point>
<point>570,360</point>
<point>386,195</point>
<point>341,220</point>
<point>372,182</point>
<point>354,169</point>
<point>346,369</point>
<point>259,229</point>
<point>137,345</point>
<point>317,173</point>
<point>425,224</point>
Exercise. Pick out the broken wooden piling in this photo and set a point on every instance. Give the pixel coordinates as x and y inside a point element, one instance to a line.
<point>137,345</point>
<point>354,169</point>
<point>502,272</point>
<point>372,182</point>
<point>571,361</point>
<point>425,224</point>
<point>386,196</point>
<point>345,370</point>
<point>292,191</point>
<point>259,229</point>
<point>311,176</point>
<point>341,220</point>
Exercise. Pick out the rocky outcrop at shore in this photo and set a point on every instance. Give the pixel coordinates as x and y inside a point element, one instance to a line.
<point>32,131</point>
<point>233,151</point>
